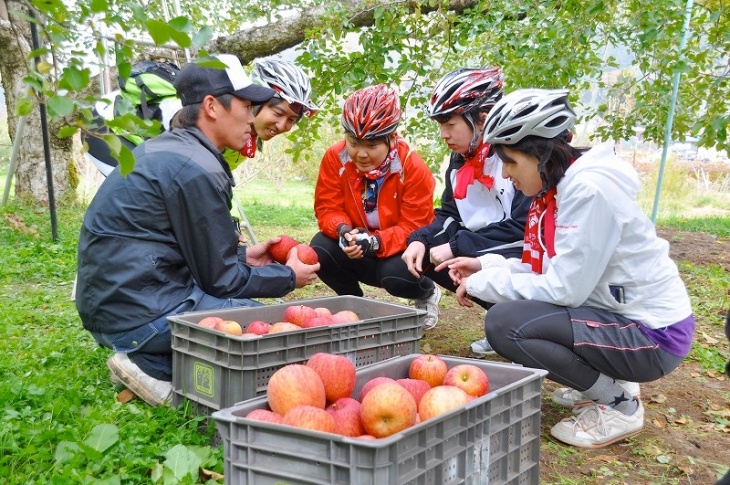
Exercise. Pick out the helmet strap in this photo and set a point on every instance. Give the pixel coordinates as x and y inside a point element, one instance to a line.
<point>476,134</point>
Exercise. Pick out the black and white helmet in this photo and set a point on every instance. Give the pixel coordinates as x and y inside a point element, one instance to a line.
<point>289,82</point>
<point>465,90</point>
<point>539,112</point>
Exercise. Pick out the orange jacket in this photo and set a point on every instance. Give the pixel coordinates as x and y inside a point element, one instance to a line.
<point>405,199</point>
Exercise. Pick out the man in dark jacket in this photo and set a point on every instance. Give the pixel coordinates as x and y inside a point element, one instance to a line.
<point>161,241</point>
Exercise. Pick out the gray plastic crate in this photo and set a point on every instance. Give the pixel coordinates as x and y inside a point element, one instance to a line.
<point>494,439</point>
<point>215,370</point>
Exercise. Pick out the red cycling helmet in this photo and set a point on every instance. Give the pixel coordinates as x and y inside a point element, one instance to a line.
<point>466,89</point>
<point>371,112</point>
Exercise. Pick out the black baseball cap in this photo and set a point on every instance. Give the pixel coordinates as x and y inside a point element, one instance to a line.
<point>217,75</point>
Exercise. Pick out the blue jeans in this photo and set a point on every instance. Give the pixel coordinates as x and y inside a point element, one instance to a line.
<point>150,346</point>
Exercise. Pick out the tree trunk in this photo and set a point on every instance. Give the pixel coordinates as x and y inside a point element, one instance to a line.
<point>30,174</point>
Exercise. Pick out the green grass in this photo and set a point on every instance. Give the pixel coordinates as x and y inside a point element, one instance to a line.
<point>61,423</point>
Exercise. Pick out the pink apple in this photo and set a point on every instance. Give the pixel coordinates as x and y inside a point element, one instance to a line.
<point>387,409</point>
<point>468,377</point>
<point>230,326</point>
<point>337,373</point>
<point>283,327</point>
<point>306,254</point>
<point>210,322</point>
<point>259,327</point>
<point>265,415</point>
<point>323,312</point>
<point>417,387</point>
<point>441,399</point>
<point>298,314</point>
<point>317,322</point>
<point>345,316</point>
<point>294,385</point>
<point>375,381</point>
<point>346,412</point>
<point>428,367</point>
<point>249,336</point>
<point>310,417</point>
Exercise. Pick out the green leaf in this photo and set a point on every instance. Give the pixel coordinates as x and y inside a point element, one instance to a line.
<point>102,437</point>
<point>67,131</point>
<point>202,37</point>
<point>181,38</point>
<point>65,451</point>
<point>159,31</point>
<point>74,79</point>
<point>126,160</point>
<point>99,6</point>
<point>24,107</point>
<point>60,105</point>
<point>181,24</point>
<point>182,462</point>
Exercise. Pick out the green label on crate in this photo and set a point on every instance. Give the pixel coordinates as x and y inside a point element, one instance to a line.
<point>203,380</point>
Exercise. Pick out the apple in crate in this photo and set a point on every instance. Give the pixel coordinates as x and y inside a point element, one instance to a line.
<point>387,409</point>
<point>428,367</point>
<point>210,322</point>
<point>279,327</point>
<point>441,399</point>
<point>321,311</point>
<point>259,327</point>
<point>417,387</point>
<point>306,254</point>
<point>318,322</point>
<point>369,385</point>
<point>230,326</point>
<point>265,415</point>
<point>346,412</point>
<point>298,314</point>
<point>337,373</point>
<point>280,250</point>
<point>470,378</point>
<point>295,385</point>
<point>310,417</point>
<point>345,316</point>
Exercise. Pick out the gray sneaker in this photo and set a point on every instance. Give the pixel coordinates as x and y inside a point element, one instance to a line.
<point>482,348</point>
<point>153,391</point>
<point>431,305</point>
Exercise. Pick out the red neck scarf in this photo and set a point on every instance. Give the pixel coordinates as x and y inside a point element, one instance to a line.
<point>540,227</point>
<point>473,169</point>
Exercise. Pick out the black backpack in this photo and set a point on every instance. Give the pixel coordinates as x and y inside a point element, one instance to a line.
<point>149,83</point>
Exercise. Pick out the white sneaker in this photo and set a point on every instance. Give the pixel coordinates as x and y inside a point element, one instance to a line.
<point>431,305</point>
<point>153,391</point>
<point>482,348</point>
<point>570,398</point>
<point>597,426</point>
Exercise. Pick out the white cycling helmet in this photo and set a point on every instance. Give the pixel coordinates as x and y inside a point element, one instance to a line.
<point>289,82</point>
<point>538,112</point>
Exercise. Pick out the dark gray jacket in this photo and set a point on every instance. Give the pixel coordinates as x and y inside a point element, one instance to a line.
<point>149,237</point>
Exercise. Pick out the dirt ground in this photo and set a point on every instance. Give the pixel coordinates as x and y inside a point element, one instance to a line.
<point>685,439</point>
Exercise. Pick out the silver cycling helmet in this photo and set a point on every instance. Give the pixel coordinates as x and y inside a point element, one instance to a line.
<point>289,82</point>
<point>540,112</point>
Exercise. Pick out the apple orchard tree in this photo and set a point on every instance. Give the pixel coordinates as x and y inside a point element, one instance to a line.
<point>347,44</point>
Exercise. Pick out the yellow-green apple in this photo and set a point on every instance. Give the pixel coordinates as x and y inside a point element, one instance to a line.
<point>470,378</point>
<point>417,387</point>
<point>375,381</point>
<point>428,367</point>
<point>387,409</point>
<point>337,373</point>
<point>345,316</point>
<point>230,326</point>
<point>306,254</point>
<point>317,322</point>
<point>441,399</point>
<point>294,385</point>
<point>280,250</point>
<point>298,314</point>
<point>310,417</point>
<point>346,412</point>
<point>259,326</point>
<point>265,415</point>
<point>283,327</point>
<point>210,322</point>
<point>323,312</point>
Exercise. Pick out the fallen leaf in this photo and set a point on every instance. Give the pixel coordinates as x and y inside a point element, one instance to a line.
<point>652,450</point>
<point>664,459</point>
<point>209,475</point>
<point>657,398</point>
<point>125,396</point>
<point>606,458</point>
<point>709,340</point>
<point>659,424</point>
<point>682,420</point>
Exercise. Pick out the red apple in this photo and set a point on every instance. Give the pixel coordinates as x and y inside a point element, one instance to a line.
<point>417,387</point>
<point>310,417</point>
<point>298,314</point>
<point>346,412</point>
<point>294,385</point>
<point>280,250</point>
<point>387,409</point>
<point>337,373</point>
<point>441,399</point>
<point>323,312</point>
<point>306,254</point>
<point>428,367</point>
<point>265,415</point>
<point>230,326</point>
<point>259,327</point>
<point>375,381</point>
<point>345,316</point>
<point>210,322</point>
<point>468,377</point>
<point>317,322</point>
<point>283,327</point>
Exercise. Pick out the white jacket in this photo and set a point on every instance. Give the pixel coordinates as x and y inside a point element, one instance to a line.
<point>602,238</point>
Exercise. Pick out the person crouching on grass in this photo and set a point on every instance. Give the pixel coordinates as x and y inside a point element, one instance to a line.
<point>596,297</point>
<point>373,191</point>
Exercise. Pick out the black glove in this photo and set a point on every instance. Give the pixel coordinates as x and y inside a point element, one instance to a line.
<point>343,229</point>
<point>369,244</point>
